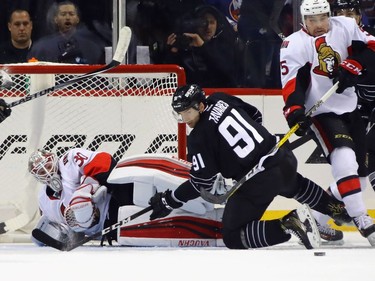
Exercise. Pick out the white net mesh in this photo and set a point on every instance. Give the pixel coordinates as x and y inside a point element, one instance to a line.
<point>124,112</point>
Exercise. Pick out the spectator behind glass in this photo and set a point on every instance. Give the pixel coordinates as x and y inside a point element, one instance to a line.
<point>204,45</point>
<point>230,9</point>
<point>152,21</point>
<point>258,28</point>
<point>70,43</point>
<point>20,27</point>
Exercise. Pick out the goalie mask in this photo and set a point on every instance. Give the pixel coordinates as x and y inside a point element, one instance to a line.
<point>43,165</point>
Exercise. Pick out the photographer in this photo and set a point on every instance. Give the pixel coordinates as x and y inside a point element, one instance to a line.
<point>204,44</point>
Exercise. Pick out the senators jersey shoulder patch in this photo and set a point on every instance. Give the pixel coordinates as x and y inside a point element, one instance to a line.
<point>284,44</point>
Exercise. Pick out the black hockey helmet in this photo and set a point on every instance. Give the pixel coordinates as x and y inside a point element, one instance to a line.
<point>346,4</point>
<point>188,96</point>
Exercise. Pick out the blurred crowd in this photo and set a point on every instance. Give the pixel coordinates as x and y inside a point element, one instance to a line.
<point>220,43</point>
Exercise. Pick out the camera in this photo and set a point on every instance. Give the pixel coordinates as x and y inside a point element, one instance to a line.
<point>188,26</point>
<point>182,41</point>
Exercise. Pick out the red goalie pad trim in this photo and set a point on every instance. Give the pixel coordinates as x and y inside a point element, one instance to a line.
<point>163,165</point>
<point>175,227</point>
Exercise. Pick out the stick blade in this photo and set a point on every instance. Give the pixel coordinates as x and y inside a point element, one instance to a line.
<point>122,44</point>
<point>48,240</point>
<point>214,198</point>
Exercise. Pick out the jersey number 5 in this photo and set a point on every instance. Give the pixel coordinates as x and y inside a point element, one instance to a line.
<point>234,129</point>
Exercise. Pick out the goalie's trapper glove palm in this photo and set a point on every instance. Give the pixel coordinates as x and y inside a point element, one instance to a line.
<point>162,204</point>
<point>347,74</point>
<point>296,115</point>
<point>5,110</point>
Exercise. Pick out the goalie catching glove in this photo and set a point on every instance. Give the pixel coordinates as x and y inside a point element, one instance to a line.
<point>347,74</point>
<point>82,212</point>
<point>162,204</point>
<point>296,115</point>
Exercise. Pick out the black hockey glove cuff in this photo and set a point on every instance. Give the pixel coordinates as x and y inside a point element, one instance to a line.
<point>348,74</point>
<point>297,116</point>
<point>162,204</point>
<point>5,110</point>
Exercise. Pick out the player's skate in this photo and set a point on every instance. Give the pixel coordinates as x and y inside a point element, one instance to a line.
<point>301,224</point>
<point>330,235</point>
<point>339,213</point>
<point>366,227</point>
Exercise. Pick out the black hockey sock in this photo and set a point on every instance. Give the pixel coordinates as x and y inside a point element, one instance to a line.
<point>309,192</point>
<point>319,200</point>
<point>258,234</point>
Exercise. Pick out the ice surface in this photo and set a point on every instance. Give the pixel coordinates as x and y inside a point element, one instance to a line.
<point>289,261</point>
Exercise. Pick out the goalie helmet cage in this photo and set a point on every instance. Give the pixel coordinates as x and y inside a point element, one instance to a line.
<point>125,111</point>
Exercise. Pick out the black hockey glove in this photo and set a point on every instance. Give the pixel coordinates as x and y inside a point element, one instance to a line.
<point>298,117</point>
<point>5,110</point>
<point>162,204</point>
<point>347,74</point>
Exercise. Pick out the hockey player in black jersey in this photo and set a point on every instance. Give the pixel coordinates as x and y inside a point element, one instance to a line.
<point>4,110</point>
<point>227,141</point>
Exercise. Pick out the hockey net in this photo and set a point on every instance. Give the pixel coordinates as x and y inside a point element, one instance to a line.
<point>125,112</point>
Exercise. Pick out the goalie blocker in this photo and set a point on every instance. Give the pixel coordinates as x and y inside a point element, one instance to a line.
<point>197,224</point>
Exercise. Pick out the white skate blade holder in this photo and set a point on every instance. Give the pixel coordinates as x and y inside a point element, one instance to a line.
<point>305,216</point>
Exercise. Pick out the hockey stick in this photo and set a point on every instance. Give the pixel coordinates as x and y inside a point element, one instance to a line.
<point>14,224</point>
<point>219,199</point>
<point>49,241</point>
<point>300,141</point>
<point>75,244</point>
<point>7,81</point>
<point>122,48</point>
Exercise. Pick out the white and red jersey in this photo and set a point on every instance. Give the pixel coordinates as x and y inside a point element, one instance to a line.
<point>149,173</point>
<point>53,208</point>
<point>74,166</point>
<point>321,55</point>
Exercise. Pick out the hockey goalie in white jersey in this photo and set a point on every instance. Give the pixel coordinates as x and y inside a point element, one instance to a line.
<point>87,191</point>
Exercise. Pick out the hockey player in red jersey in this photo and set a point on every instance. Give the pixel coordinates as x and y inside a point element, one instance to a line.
<point>228,140</point>
<point>311,59</point>
<point>366,98</point>
<point>365,87</point>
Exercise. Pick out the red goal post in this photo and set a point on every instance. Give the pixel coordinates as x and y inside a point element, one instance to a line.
<point>125,111</point>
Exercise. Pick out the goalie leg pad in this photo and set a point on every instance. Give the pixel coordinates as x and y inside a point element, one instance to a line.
<point>144,191</point>
<point>179,229</point>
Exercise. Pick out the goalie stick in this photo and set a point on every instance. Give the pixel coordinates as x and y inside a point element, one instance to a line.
<point>14,224</point>
<point>49,241</point>
<point>23,219</point>
<point>122,48</point>
<point>219,199</point>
